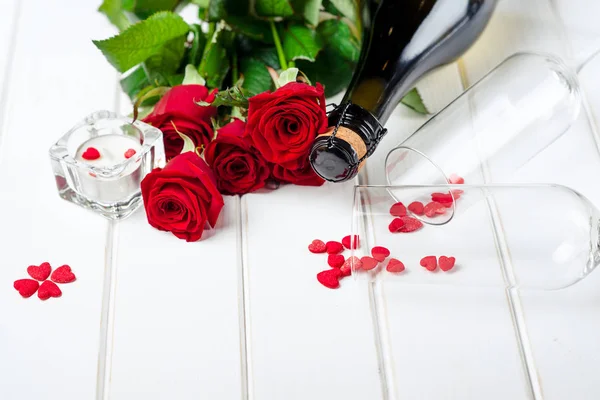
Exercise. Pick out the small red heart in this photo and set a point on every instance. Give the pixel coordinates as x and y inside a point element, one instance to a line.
<point>334,247</point>
<point>416,207</point>
<point>410,224</point>
<point>395,265</point>
<point>442,197</point>
<point>91,153</point>
<point>40,273</point>
<point>429,262</point>
<point>48,289</point>
<point>317,246</point>
<point>380,253</point>
<point>446,263</point>
<point>352,261</point>
<point>335,260</point>
<point>63,275</point>
<point>396,225</point>
<point>455,179</point>
<point>368,263</point>
<point>398,210</point>
<point>330,278</point>
<point>434,208</point>
<point>129,153</point>
<point>26,287</point>
<point>355,242</point>
<point>346,270</point>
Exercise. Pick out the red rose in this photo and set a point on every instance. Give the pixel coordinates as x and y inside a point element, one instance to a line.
<point>282,125</point>
<point>304,176</point>
<point>178,107</point>
<point>239,169</point>
<point>182,197</point>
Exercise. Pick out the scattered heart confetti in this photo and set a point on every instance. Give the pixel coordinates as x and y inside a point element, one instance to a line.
<point>63,274</point>
<point>317,246</point>
<point>352,261</point>
<point>398,210</point>
<point>434,208</point>
<point>334,247</point>
<point>380,253</point>
<point>48,289</point>
<point>396,225</point>
<point>455,179</point>
<point>395,265</point>
<point>368,263</point>
<point>355,242</point>
<point>40,273</point>
<point>446,263</point>
<point>26,287</point>
<point>335,260</point>
<point>416,207</point>
<point>457,193</point>
<point>411,224</point>
<point>330,278</point>
<point>346,270</point>
<point>442,197</point>
<point>91,153</point>
<point>429,262</point>
<point>129,153</point>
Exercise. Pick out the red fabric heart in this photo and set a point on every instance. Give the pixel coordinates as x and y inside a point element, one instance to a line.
<point>398,210</point>
<point>380,253</point>
<point>334,247</point>
<point>410,224</point>
<point>355,242</point>
<point>446,263</point>
<point>317,246</point>
<point>91,153</point>
<point>40,273</point>
<point>352,261</point>
<point>63,274</point>
<point>346,270</point>
<point>368,263</point>
<point>129,153</point>
<point>455,179</point>
<point>429,262</point>
<point>442,197</point>
<point>335,260</point>
<point>26,287</point>
<point>395,265</point>
<point>434,208</point>
<point>48,289</point>
<point>330,278</point>
<point>416,207</point>
<point>396,225</point>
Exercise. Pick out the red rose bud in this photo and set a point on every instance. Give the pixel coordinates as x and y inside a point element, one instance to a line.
<point>238,168</point>
<point>182,197</point>
<point>283,124</point>
<point>177,111</point>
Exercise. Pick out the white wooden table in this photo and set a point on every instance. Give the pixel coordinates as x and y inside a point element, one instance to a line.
<point>240,315</point>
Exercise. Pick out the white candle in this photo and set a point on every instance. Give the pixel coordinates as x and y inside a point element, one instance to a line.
<point>112,151</point>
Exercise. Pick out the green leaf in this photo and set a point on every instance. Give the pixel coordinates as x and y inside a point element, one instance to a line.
<point>201,3</point>
<point>309,9</point>
<point>346,7</point>
<point>287,76</point>
<point>192,77</point>
<point>198,43</point>
<point>115,12</point>
<point>232,97</point>
<point>256,76</point>
<point>145,8</point>
<point>273,8</point>
<point>143,40</point>
<point>133,83</point>
<point>330,8</point>
<point>336,34</point>
<point>301,43</point>
<point>268,55</point>
<point>188,144</point>
<point>413,100</point>
<point>215,63</point>
<point>168,59</point>
<point>331,71</point>
<point>221,9</point>
<point>251,27</point>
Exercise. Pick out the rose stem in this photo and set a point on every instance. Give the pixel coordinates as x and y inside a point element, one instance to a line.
<point>280,54</point>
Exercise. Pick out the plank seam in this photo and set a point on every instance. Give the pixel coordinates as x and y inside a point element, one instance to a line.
<point>243,298</point>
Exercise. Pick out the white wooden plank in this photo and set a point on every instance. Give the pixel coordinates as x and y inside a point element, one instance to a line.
<point>305,341</point>
<point>176,331</point>
<point>49,349</point>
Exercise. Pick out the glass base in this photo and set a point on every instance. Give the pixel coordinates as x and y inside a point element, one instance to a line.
<point>113,211</point>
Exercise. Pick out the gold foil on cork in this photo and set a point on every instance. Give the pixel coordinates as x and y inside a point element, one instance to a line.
<point>352,138</point>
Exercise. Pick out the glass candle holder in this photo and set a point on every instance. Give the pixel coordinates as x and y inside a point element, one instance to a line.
<point>107,182</point>
<point>494,128</point>
<point>540,237</point>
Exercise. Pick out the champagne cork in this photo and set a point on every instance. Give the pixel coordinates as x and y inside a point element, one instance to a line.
<point>352,138</point>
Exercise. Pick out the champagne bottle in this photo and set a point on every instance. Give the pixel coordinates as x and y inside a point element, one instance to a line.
<point>405,40</point>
